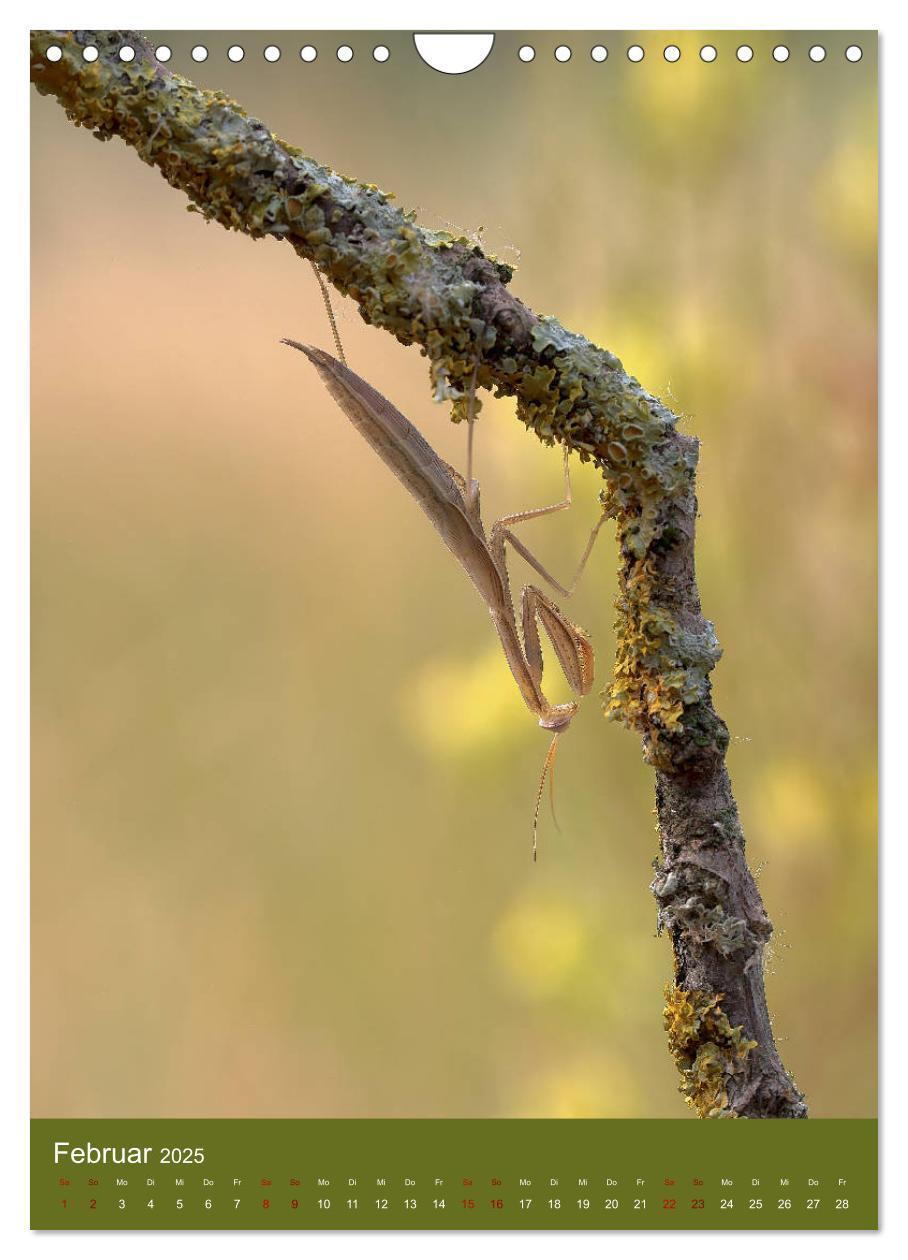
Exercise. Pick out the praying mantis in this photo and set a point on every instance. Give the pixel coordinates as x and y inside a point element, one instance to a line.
<point>451,502</point>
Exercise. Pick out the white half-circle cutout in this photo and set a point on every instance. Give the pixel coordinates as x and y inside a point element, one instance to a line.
<point>454,54</point>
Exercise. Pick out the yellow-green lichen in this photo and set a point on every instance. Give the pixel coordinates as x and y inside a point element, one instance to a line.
<point>660,669</point>
<point>707,1050</point>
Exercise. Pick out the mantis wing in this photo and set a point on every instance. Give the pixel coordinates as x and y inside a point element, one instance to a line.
<point>425,475</point>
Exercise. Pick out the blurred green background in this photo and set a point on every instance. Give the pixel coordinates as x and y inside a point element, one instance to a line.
<point>282,777</point>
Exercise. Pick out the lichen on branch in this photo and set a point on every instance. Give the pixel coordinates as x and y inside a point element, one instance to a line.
<point>708,1051</point>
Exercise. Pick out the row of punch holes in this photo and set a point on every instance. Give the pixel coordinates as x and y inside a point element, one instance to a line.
<point>526,53</point>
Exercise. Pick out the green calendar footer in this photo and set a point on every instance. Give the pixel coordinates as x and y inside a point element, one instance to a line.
<point>453,1174</point>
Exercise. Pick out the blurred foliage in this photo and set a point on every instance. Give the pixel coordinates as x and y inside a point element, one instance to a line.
<point>283,780</point>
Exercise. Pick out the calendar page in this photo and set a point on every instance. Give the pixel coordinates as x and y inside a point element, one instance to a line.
<point>454,630</point>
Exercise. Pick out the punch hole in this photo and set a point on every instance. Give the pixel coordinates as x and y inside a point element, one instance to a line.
<point>381,53</point>
<point>672,53</point>
<point>562,53</point>
<point>853,52</point>
<point>635,53</point>
<point>345,53</point>
<point>235,52</point>
<point>89,53</point>
<point>199,53</point>
<point>54,53</point>
<point>780,53</point>
<point>163,52</point>
<point>272,53</point>
<point>127,53</point>
<point>708,53</point>
<point>526,52</point>
<point>453,53</point>
<point>817,53</point>
<point>308,53</point>
<point>745,53</point>
<point>599,52</point>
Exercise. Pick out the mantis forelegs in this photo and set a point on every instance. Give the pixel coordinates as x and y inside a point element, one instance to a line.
<point>572,645</point>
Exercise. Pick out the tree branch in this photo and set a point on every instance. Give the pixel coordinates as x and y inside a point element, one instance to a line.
<point>443,294</point>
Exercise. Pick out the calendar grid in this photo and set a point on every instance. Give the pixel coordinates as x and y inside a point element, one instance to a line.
<point>453,1174</point>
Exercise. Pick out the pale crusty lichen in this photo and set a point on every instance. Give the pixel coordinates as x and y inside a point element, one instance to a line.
<point>707,1050</point>
<point>432,289</point>
<point>691,906</point>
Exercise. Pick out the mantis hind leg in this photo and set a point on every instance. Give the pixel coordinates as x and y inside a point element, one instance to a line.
<point>566,591</point>
<point>472,486</point>
<point>326,297</point>
<point>515,518</point>
<point>501,533</point>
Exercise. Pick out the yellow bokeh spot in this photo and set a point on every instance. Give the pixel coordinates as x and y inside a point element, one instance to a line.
<point>675,101</point>
<point>458,707</point>
<point>846,195</point>
<point>638,346</point>
<point>865,809</point>
<point>793,808</point>
<point>583,1090</point>
<point>673,97</point>
<point>538,945</point>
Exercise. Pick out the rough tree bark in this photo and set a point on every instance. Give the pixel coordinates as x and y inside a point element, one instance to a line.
<point>443,294</point>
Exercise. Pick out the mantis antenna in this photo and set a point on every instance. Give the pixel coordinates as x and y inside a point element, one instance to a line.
<point>548,768</point>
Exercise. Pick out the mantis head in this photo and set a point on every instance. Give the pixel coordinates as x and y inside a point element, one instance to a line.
<point>559,717</point>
